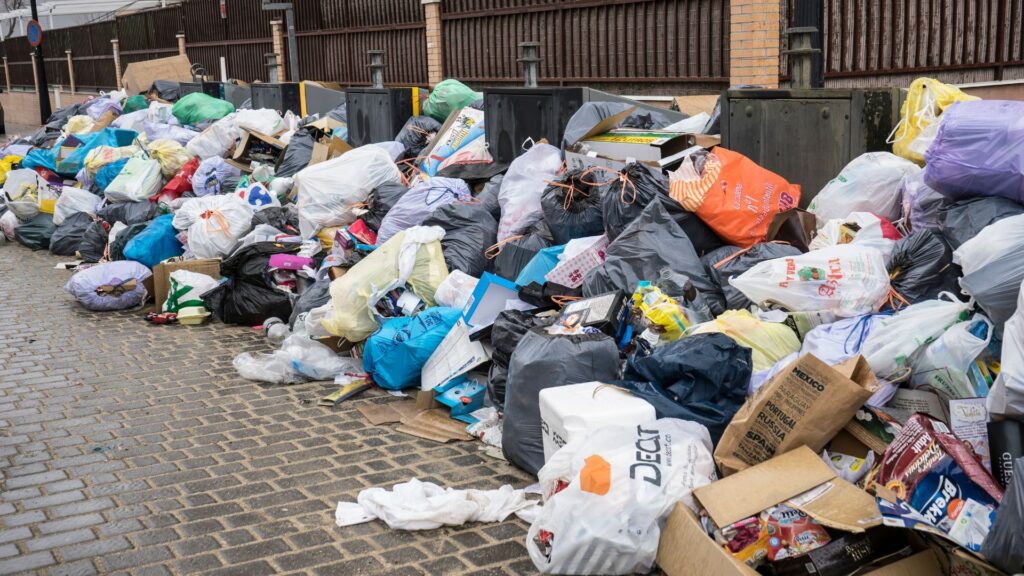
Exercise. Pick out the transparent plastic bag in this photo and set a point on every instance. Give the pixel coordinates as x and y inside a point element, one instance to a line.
<point>298,360</point>
<point>215,224</point>
<point>869,183</point>
<point>171,155</point>
<point>846,280</point>
<point>1007,394</point>
<point>72,201</point>
<point>993,266</point>
<point>955,349</point>
<point>456,290</point>
<point>522,187</point>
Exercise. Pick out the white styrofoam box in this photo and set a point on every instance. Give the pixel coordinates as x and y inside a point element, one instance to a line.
<point>569,411</point>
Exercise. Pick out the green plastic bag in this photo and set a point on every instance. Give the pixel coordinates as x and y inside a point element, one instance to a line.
<point>198,107</point>
<point>449,95</point>
<point>135,103</point>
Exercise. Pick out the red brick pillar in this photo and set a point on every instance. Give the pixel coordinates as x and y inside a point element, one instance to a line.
<point>277,36</point>
<point>435,47</point>
<point>181,43</point>
<point>117,62</point>
<point>754,49</point>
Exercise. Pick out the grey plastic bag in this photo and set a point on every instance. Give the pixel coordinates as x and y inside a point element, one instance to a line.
<point>540,361</point>
<point>1004,545</point>
<point>962,220</point>
<point>68,235</point>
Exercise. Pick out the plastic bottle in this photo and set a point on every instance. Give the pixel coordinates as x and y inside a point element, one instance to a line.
<point>276,330</point>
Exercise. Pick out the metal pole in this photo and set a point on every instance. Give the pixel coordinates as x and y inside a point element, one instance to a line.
<point>531,62</point>
<point>376,68</point>
<point>293,46</point>
<point>44,89</point>
<point>808,13</point>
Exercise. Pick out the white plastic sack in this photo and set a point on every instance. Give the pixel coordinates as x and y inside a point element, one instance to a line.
<point>216,140</point>
<point>8,224</point>
<point>954,350</point>
<point>622,483</point>
<point>21,193</point>
<point>72,201</point>
<point>161,113</point>
<point>522,187</point>
<point>329,191</point>
<point>259,197</point>
<point>869,183</point>
<point>393,148</point>
<point>867,230</point>
<point>215,224</point>
<point>1007,394</point>
<point>839,341</point>
<point>264,120</point>
<point>138,180</point>
<point>416,505</point>
<point>419,202</point>
<point>186,289</point>
<point>993,266</point>
<point>298,360</point>
<point>132,121</point>
<point>845,280</point>
<point>156,131</point>
<point>891,347</point>
<point>456,290</point>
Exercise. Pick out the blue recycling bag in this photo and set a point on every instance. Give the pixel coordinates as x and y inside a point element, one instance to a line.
<point>156,243</point>
<point>106,174</point>
<point>397,351</point>
<point>539,266</point>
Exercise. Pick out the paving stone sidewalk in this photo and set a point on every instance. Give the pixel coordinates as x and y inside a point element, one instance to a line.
<point>136,449</point>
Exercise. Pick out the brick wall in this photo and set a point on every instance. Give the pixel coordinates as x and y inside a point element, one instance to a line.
<point>754,42</point>
<point>435,51</point>
<point>22,108</point>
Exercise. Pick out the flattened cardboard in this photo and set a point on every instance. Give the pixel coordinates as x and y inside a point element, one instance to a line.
<point>695,104</point>
<point>388,413</point>
<point>807,403</point>
<point>323,151</point>
<point>162,275</point>
<point>435,424</point>
<point>924,563</point>
<point>685,550</point>
<point>834,502</point>
<point>139,76</point>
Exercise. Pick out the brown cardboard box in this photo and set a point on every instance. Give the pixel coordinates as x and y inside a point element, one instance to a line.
<point>610,147</point>
<point>323,151</point>
<point>924,563</point>
<point>256,146</point>
<point>693,105</point>
<point>799,477</point>
<point>162,274</point>
<point>139,76</point>
<point>805,404</point>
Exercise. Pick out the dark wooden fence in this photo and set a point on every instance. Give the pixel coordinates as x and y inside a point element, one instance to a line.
<point>880,38</point>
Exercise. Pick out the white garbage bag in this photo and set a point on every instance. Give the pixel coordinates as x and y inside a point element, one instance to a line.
<point>22,192</point>
<point>330,191</point>
<point>155,131</point>
<point>132,121</point>
<point>8,224</point>
<point>416,505</point>
<point>1007,394</point>
<point>161,113</point>
<point>138,180</point>
<point>894,342</point>
<point>845,280</point>
<point>993,266</point>
<point>524,183</point>
<point>187,289</point>
<point>216,140</point>
<point>950,356</point>
<point>858,229</point>
<point>264,120</point>
<point>869,183</point>
<point>72,201</point>
<point>419,202</point>
<point>622,483</point>
<point>215,224</point>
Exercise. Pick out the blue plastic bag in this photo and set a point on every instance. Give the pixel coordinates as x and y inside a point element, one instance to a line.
<point>538,267</point>
<point>397,351</point>
<point>106,174</point>
<point>154,244</point>
<point>113,137</point>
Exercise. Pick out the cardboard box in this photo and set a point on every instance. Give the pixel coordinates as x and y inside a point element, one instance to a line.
<point>139,76</point>
<point>924,563</point>
<point>611,147</point>
<point>805,404</point>
<point>693,105</point>
<point>162,273</point>
<point>799,477</point>
<point>256,147</point>
<point>323,151</point>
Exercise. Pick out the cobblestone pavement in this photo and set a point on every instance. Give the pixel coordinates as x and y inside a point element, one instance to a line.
<point>136,449</point>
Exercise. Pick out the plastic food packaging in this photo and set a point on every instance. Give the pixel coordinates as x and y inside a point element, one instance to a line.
<point>604,504</point>
<point>846,280</point>
<point>791,532</point>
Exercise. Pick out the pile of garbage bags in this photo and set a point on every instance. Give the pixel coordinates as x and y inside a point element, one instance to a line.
<point>646,345</point>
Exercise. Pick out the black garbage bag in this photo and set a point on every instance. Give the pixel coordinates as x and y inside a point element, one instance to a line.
<point>117,245</point>
<point>625,195</point>
<point>488,197</point>
<point>702,378</point>
<point>416,134</point>
<point>647,246</point>
<point>249,296</point>
<point>94,241</point>
<point>296,156</point>
<point>314,296</point>
<point>540,361</point>
<point>469,230</point>
<point>702,237</point>
<point>282,218</point>
<point>514,255</point>
<point>58,119</point>
<point>380,201</point>
<point>508,329</point>
<point>44,137</point>
<point>922,266</point>
<point>728,262</point>
<point>166,89</point>
<point>1004,544</point>
<point>68,235</point>
<point>962,220</point>
<point>128,212</point>
<point>474,173</point>
<point>36,233</point>
<point>548,295</point>
<point>593,113</point>
<point>572,208</point>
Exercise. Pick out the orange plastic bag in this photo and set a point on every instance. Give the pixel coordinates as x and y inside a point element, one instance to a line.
<point>734,196</point>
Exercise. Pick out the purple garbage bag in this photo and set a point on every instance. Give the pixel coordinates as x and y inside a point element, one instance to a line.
<point>109,286</point>
<point>978,151</point>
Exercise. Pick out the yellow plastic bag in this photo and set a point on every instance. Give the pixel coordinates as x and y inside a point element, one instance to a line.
<point>100,156</point>
<point>171,155</point>
<point>769,341</point>
<point>6,165</point>
<point>79,124</point>
<point>326,237</point>
<point>926,100</point>
<point>412,258</point>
